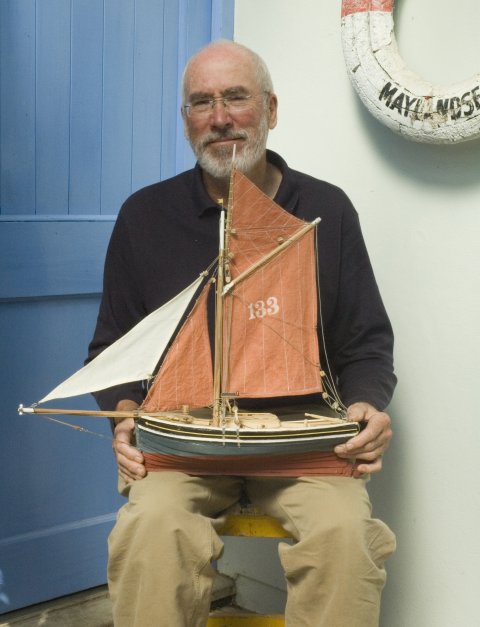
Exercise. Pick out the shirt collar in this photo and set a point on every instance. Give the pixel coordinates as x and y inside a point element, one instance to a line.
<point>286,196</point>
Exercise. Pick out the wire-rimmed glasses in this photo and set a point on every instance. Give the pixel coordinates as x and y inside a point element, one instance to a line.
<point>204,106</point>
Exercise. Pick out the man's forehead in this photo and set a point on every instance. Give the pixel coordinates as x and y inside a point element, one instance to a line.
<point>219,71</point>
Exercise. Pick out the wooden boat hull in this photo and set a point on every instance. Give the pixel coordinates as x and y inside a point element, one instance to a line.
<point>168,437</point>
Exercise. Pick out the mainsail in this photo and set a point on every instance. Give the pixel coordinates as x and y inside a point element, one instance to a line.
<point>134,356</point>
<point>272,346</point>
<point>271,340</point>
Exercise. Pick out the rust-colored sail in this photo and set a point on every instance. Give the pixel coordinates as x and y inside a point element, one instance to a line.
<point>259,224</point>
<point>185,377</point>
<point>271,346</point>
<point>270,343</point>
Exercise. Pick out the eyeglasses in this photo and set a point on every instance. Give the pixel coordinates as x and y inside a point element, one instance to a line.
<point>204,106</point>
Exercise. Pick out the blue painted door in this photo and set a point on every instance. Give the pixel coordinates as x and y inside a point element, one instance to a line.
<point>88,113</point>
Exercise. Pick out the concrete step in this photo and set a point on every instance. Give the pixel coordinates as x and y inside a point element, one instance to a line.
<point>90,608</point>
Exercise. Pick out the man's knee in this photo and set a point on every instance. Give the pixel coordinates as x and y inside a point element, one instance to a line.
<point>362,543</point>
<point>352,534</point>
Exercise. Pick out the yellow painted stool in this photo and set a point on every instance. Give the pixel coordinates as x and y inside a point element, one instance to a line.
<point>249,524</point>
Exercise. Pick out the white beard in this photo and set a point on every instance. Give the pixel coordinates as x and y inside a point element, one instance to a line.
<point>219,165</point>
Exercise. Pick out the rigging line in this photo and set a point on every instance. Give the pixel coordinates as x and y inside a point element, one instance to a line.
<point>228,339</point>
<point>229,210</point>
<point>76,427</point>
<point>331,380</point>
<point>211,265</point>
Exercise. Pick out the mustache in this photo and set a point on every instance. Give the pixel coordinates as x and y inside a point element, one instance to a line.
<point>219,135</point>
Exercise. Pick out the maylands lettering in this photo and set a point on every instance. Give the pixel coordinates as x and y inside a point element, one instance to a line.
<point>425,107</point>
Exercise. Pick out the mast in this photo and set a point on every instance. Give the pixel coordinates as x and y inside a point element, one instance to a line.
<point>222,262</point>
<point>217,367</point>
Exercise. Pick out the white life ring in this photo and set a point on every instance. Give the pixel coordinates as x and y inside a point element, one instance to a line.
<point>394,94</point>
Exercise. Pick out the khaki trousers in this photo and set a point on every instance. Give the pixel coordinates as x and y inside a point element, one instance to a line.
<point>162,546</point>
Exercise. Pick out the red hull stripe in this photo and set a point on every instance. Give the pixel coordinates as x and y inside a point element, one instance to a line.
<point>362,6</point>
<point>293,465</point>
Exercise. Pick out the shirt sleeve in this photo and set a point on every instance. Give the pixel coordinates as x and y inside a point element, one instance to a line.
<point>121,308</point>
<point>360,336</point>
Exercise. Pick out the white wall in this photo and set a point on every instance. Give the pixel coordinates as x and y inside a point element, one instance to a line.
<point>420,210</point>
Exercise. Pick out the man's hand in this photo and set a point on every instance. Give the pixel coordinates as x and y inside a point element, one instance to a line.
<point>371,443</point>
<point>130,461</point>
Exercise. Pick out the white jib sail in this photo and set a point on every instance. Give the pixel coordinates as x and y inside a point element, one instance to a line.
<point>134,356</point>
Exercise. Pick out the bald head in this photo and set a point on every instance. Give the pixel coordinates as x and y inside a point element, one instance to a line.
<point>239,54</point>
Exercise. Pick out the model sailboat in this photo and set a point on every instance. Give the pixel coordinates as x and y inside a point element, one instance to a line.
<point>266,346</point>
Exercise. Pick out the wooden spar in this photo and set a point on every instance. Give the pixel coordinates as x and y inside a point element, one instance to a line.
<point>222,261</point>
<point>80,412</point>
<point>296,236</point>
<point>226,279</point>
<point>217,369</point>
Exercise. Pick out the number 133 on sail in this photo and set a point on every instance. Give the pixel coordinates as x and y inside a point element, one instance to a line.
<point>260,309</point>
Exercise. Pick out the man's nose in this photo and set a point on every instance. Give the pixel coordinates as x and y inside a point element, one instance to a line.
<point>220,116</point>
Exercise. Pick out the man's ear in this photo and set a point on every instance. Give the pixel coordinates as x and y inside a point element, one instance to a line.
<point>272,111</point>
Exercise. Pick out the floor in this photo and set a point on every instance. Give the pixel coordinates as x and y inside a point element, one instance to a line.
<point>90,608</point>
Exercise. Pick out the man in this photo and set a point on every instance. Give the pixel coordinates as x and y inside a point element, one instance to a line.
<point>164,541</point>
